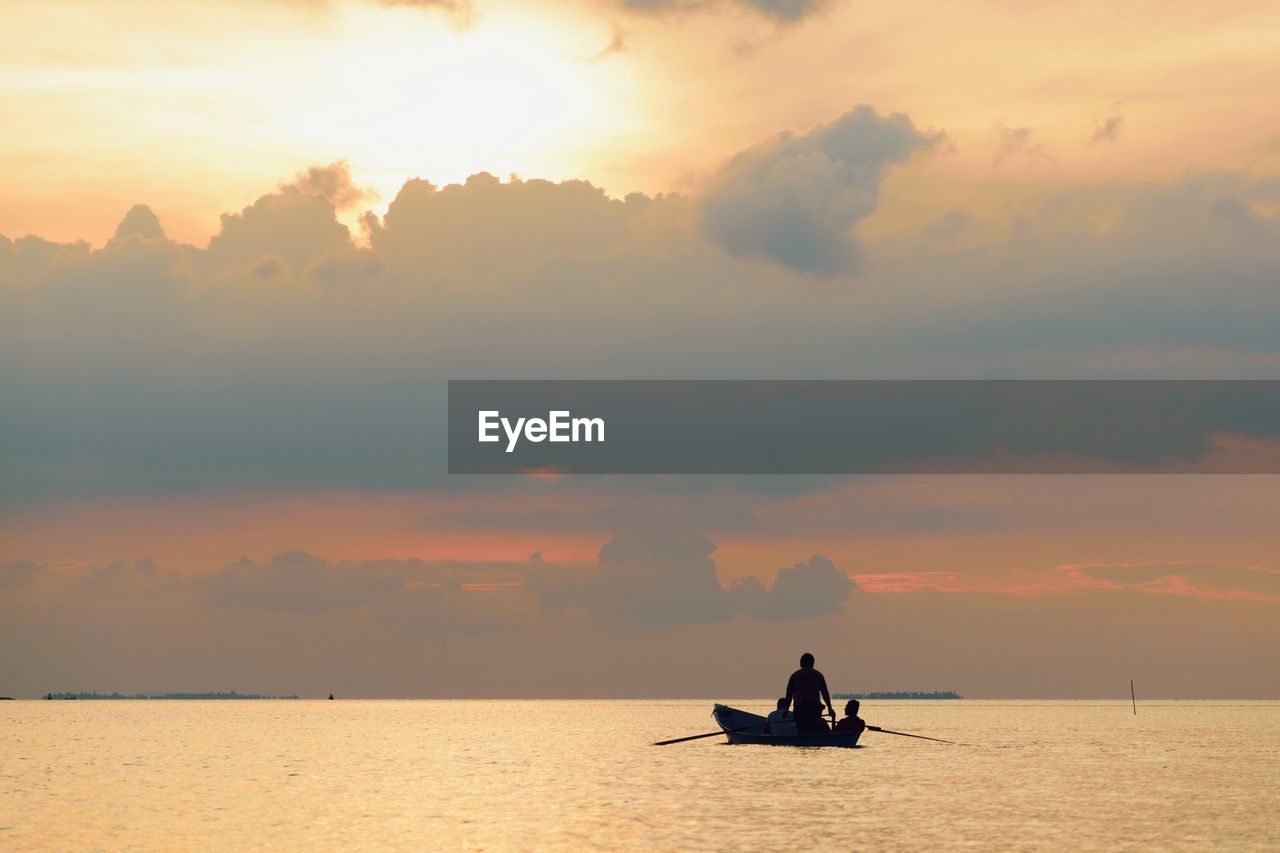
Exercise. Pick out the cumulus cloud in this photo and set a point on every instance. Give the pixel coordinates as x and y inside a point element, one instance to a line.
<point>807,589</point>
<point>796,199</point>
<point>294,224</point>
<point>140,222</point>
<point>644,576</point>
<point>663,573</point>
<point>333,183</point>
<point>485,222</point>
<point>29,259</point>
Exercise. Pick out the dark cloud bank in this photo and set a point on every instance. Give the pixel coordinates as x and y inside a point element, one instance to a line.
<point>290,353</point>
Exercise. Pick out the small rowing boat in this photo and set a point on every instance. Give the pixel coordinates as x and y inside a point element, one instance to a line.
<point>744,727</point>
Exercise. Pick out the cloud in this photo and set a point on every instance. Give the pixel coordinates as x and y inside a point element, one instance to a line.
<point>782,11</point>
<point>1201,580</point>
<point>297,582</point>
<point>805,590</point>
<point>436,599</point>
<point>662,573</point>
<point>140,222</point>
<point>1008,143</point>
<point>1108,130</point>
<point>426,641</point>
<point>141,578</point>
<point>785,10</point>
<point>456,597</point>
<point>484,222</point>
<point>909,581</point>
<point>332,183</point>
<point>298,225</point>
<point>283,356</point>
<point>648,576</point>
<point>29,259</point>
<point>644,576</point>
<point>796,198</point>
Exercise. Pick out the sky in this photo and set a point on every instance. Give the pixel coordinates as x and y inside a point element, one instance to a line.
<point>246,244</point>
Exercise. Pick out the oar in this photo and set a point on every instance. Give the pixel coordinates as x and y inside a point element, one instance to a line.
<point>904,734</point>
<point>710,734</point>
<point>759,725</point>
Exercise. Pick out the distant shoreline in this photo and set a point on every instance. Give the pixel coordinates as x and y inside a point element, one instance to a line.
<point>149,696</point>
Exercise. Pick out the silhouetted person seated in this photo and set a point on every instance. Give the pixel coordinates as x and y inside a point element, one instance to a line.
<point>851,722</point>
<point>779,722</point>
<point>806,693</point>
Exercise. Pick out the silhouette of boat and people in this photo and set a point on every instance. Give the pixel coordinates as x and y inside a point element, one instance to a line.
<point>798,719</point>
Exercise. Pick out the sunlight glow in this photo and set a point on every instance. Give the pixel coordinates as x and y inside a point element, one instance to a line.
<point>404,94</point>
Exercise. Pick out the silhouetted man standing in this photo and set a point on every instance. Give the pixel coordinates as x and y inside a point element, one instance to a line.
<point>807,689</point>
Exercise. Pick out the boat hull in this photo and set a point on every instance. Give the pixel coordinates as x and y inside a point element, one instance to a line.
<point>751,728</point>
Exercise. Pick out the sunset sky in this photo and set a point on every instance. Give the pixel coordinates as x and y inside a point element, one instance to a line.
<point>245,245</point>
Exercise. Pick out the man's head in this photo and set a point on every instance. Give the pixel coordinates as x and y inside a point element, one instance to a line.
<point>851,708</point>
<point>806,661</point>
<point>782,704</point>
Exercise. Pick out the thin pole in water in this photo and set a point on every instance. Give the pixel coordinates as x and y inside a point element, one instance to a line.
<point>1134,697</point>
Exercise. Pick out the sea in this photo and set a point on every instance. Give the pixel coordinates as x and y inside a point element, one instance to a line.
<point>569,775</point>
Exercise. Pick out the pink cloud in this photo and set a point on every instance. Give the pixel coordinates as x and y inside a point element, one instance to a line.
<point>910,582</point>
<point>1223,581</point>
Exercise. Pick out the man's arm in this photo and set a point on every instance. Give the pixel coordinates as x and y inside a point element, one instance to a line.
<point>791,688</point>
<point>826,697</point>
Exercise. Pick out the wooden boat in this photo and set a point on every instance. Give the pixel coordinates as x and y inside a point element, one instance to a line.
<point>744,727</point>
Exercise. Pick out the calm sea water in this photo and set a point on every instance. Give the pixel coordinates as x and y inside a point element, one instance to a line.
<point>564,775</point>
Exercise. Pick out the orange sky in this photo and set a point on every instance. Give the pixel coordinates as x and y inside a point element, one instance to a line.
<point>987,189</point>
<point>194,108</point>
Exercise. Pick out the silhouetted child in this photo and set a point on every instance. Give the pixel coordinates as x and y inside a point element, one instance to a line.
<point>852,722</point>
<point>780,722</point>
